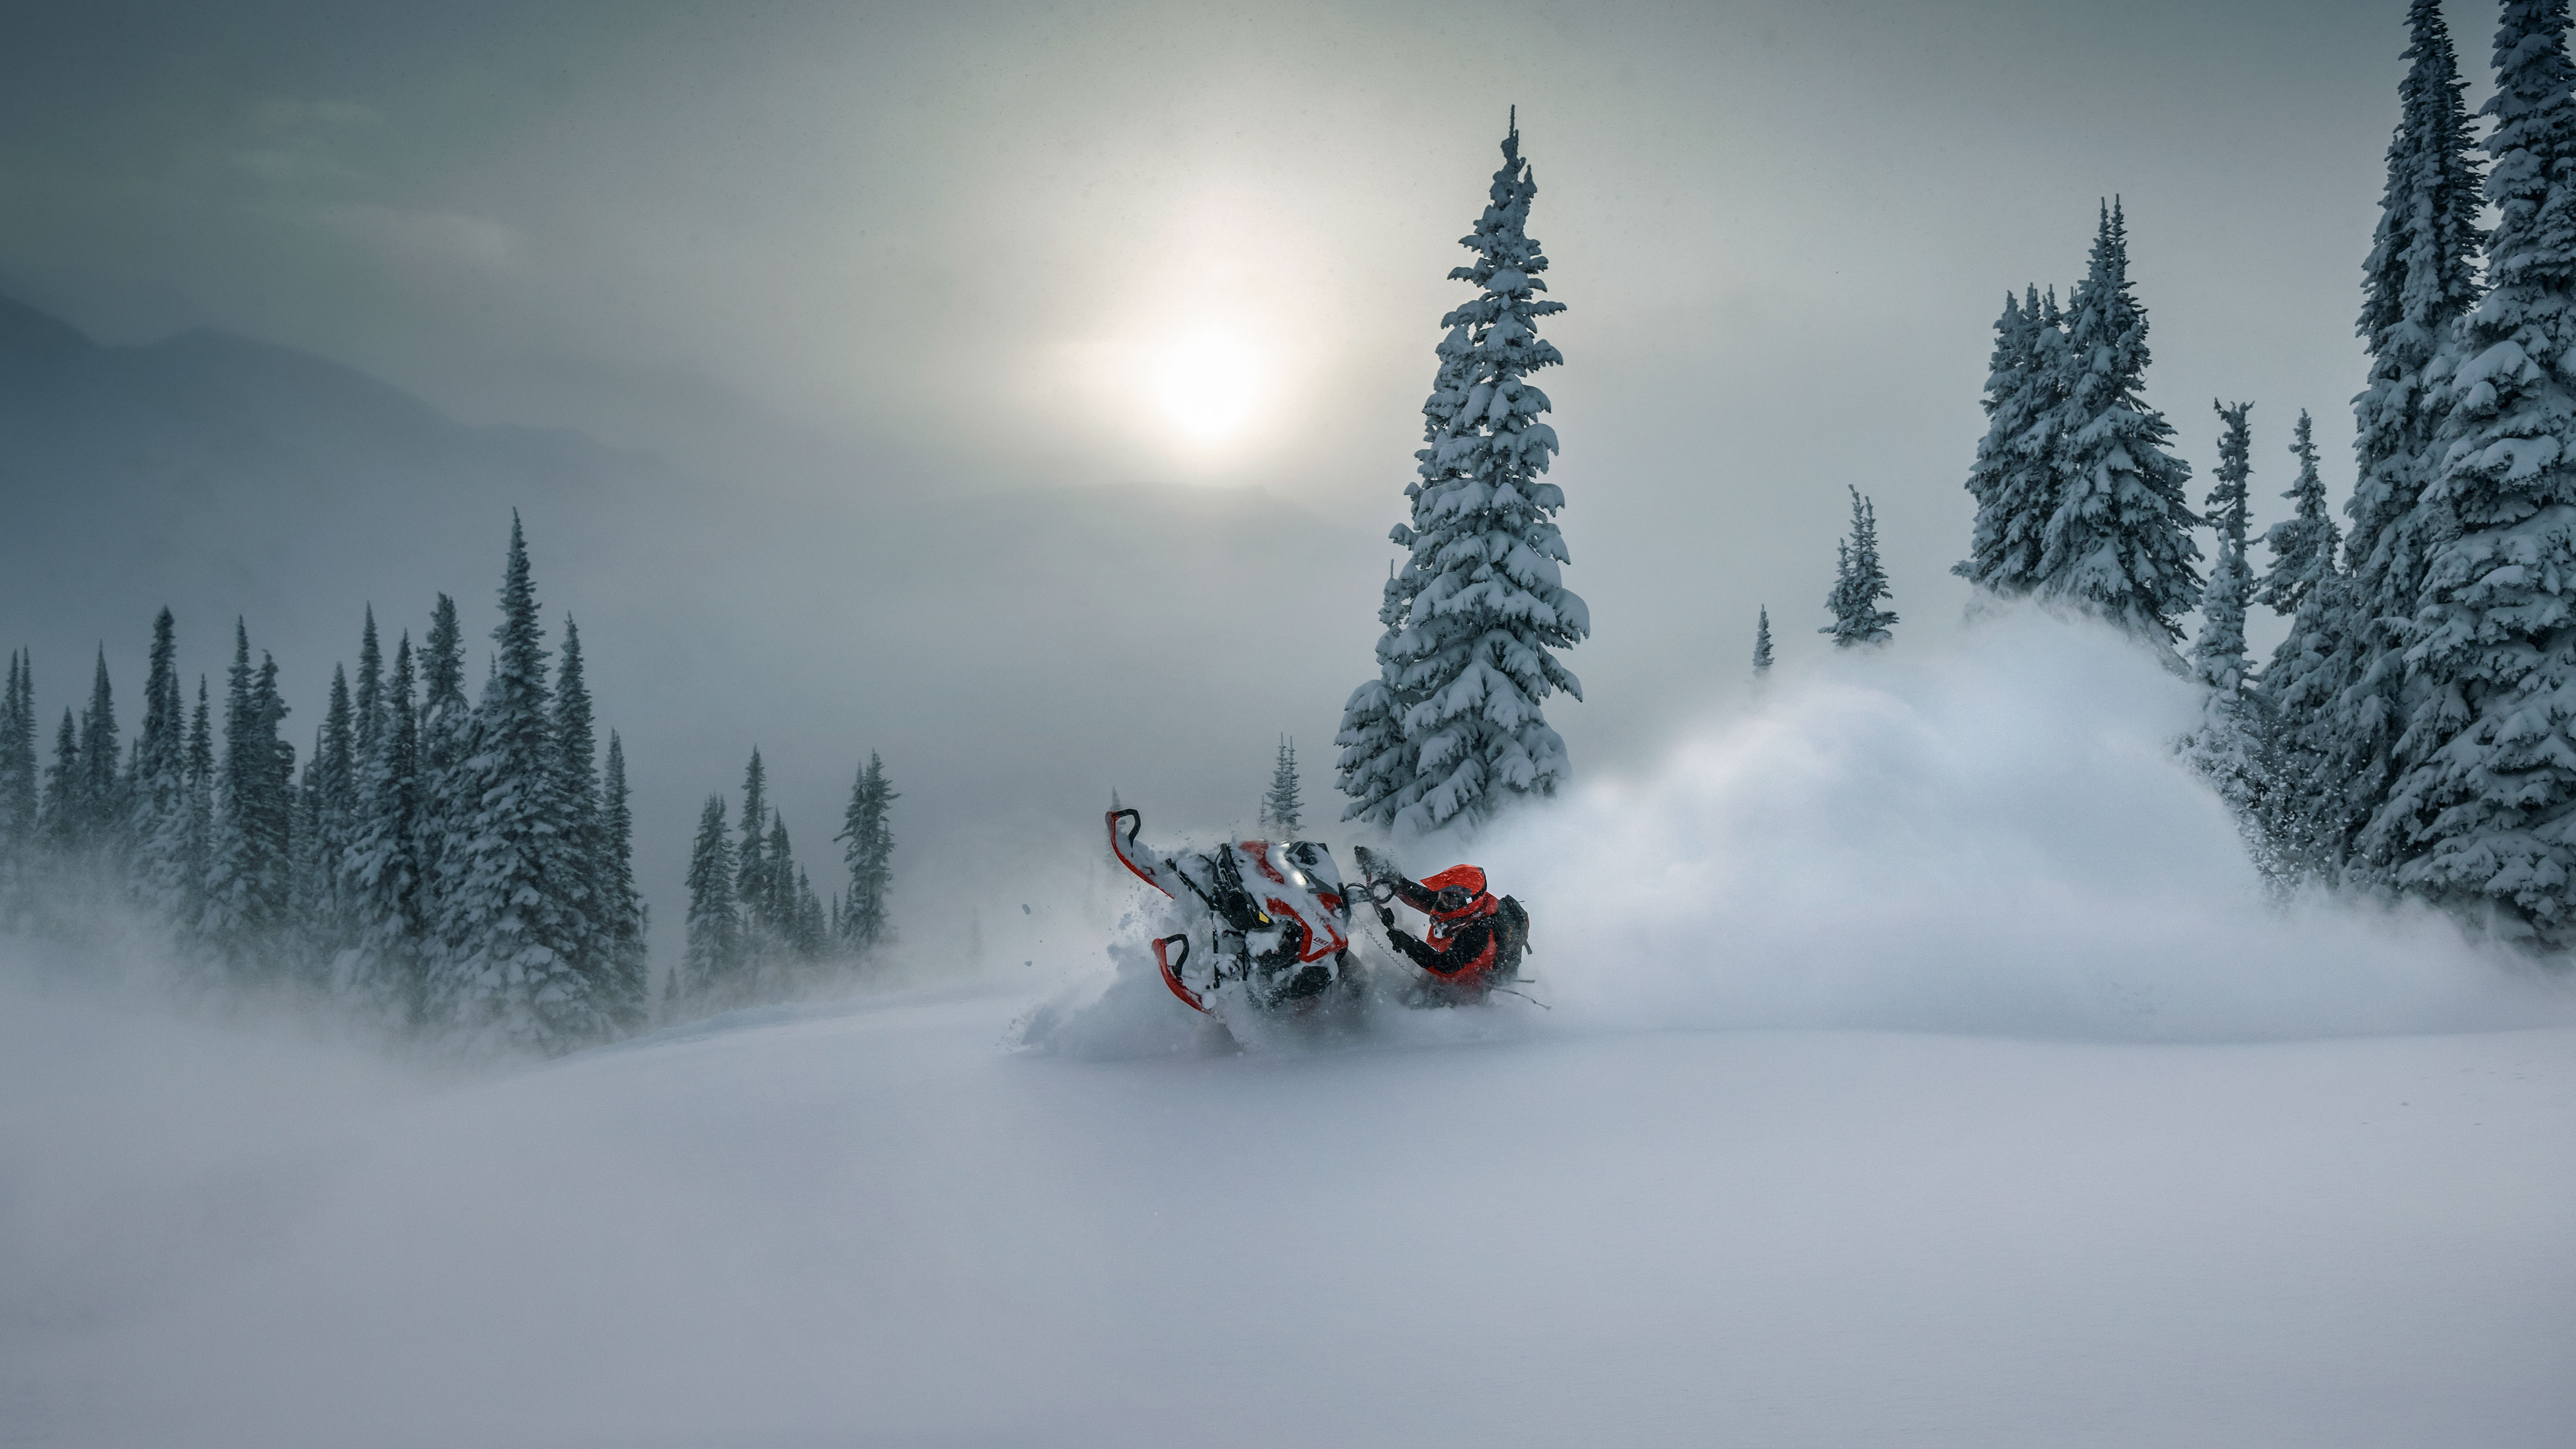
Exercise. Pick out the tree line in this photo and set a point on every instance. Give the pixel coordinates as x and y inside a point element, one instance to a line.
<point>2415,731</point>
<point>756,931</point>
<point>456,867</point>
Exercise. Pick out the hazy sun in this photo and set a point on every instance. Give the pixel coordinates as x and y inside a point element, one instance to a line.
<point>1208,385</point>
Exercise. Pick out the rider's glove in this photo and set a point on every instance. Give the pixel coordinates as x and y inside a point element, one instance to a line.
<point>1386,918</point>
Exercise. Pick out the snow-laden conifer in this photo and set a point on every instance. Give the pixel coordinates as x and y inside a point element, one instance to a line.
<point>157,811</point>
<point>1283,806</point>
<point>630,999</point>
<point>370,688</point>
<point>201,818</point>
<point>2483,815</point>
<point>443,834</point>
<point>2118,543</point>
<point>1859,583</point>
<point>383,876</point>
<point>2218,652</point>
<point>2303,545</point>
<point>247,870</point>
<point>2420,280</point>
<point>20,791</point>
<point>62,813</point>
<point>2012,478</point>
<point>867,847</point>
<point>577,782</point>
<point>712,958</point>
<point>1465,665</point>
<point>752,889</point>
<point>1762,643</point>
<point>101,807</point>
<point>510,914</point>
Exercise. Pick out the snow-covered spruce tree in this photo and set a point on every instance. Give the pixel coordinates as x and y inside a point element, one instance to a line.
<point>512,905</point>
<point>712,960</point>
<point>336,819</point>
<point>867,847</point>
<point>2228,746</point>
<point>2482,818</point>
<point>19,789</point>
<point>2012,478</point>
<point>752,889</point>
<point>2118,543</point>
<point>443,830</point>
<point>1283,807</point>
<point>58,816</point>
<point>1859,583</point>
<point>630,997</point>
<point>577,783</point>
<point>1762,643</point>
<point>248,855</point>
<point>157,815</point>
<point>2218,652</point>
<point>1464,666</point>
<point>2304,814</point>
<point>101,807</point>
<point>201,819</point>
<point>383,878</point>
<point>2420,280</point>
<point>780,974</point>
<point>370,688</point>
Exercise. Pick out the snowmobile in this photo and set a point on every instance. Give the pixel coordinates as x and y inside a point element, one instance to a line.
<point>1269,917</point>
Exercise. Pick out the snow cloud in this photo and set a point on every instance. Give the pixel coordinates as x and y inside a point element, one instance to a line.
<point>1990,835</point>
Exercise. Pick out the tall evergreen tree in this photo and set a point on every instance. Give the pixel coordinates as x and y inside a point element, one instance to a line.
<point>712,960</point>
<point>2419,282</point>
<point>2483,815</point>
<point>101,807</point>
<point>248,864</point>
<point>64,811</point>
<point>20,794</point>
<point>2304,544</point>
<point>631,997</point>
<point>1282,808</point>
<point>751,859</point>
<point>1859,583</point>
<point>157,816</point>
<point>370,688</point>
<point>511,915</point>
<point>2218,653</point>
<point>383,873</point>
<point>577,781</point>
<point>335,818</point>
<point>867,837</point>
<point>200,852</point>
<point>1762,643</point>
<point>444,832</point>
<point>1464,666</point>
<point>2013,479</point>
<point>2118,542</point>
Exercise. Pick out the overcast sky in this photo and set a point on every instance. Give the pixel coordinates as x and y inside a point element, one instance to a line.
<point>949,250</point>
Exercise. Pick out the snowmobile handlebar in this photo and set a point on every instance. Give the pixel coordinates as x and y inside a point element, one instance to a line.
<point>1135,823</point>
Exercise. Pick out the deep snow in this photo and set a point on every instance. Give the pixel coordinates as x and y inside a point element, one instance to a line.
<point>864,1225</point>
<point>1925,1067</point>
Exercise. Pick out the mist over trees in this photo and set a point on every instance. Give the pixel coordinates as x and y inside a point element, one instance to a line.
<point>756,931</point>
<point>458,869</point>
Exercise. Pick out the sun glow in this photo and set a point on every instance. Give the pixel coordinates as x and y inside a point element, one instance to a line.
<point>1208,385</point>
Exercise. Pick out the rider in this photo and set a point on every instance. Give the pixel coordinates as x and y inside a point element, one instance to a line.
<point>1473,940</point>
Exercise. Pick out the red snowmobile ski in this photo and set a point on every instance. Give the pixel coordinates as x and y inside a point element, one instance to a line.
<point>1272,918</point>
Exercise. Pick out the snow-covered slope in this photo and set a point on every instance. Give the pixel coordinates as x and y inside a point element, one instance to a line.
<point>867,1226</point>
<point>1924,1066</point>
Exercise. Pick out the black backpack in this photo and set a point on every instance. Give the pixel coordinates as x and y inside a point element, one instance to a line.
<point>1513,934</point>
